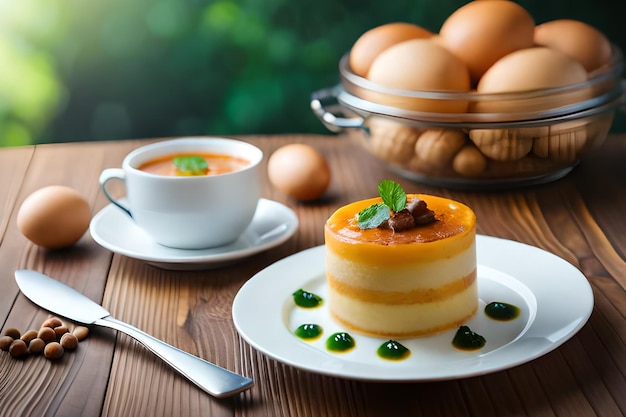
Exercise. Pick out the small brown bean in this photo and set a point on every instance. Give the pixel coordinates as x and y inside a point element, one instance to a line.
<point>47,334</point>
<point>36,346</point>
<point>80,332</point>
<point>69,341</point>
<point>53,350</point>
<point>13,332</point>
<point>18,348</point>
<point>52,322</point>
<point>29,335</point>
<point>60,331</point>
<point>5,342</point>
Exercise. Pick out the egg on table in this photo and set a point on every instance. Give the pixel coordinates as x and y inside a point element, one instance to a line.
<point>54,217</point>
<point>299,171</point>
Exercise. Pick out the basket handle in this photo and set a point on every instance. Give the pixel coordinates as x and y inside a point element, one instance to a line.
<point>324,102</point>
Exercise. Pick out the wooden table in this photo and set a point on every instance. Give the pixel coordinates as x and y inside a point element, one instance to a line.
<point>581,218</point>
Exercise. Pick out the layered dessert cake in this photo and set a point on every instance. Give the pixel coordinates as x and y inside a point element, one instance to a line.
<point>411,272</point>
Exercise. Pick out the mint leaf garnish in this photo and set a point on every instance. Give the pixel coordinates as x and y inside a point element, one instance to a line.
<point>394,199</point>
<point>190,165</point>
<point>372,216</point>
<point>392,194</point>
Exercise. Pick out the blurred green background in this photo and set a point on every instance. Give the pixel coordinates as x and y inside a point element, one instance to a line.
<point>80,70</point>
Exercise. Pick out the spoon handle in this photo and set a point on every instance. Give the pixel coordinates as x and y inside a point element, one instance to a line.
<point>211,378</point>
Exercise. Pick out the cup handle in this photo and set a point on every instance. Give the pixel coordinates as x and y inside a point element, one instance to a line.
<point>113,174</point>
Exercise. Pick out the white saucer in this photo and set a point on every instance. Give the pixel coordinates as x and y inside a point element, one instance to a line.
<point>555,300</point>
<point>273,224</point>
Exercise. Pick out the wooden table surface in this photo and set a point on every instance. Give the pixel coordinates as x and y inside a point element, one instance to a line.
<point>581,218</point>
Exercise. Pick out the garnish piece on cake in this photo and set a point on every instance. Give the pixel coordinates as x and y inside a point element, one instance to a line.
<point>396,211</point>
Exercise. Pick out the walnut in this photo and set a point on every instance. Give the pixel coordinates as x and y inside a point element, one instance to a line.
<point>391,141</point>
<point>563,142</point>
<point>501,144</point>
<point>437,147</point>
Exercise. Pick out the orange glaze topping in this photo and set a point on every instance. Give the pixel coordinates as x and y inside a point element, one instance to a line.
<point>453,232</point>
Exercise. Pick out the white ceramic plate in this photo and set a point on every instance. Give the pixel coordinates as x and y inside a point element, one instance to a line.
<point>273,224</point>
<point>555,300</point>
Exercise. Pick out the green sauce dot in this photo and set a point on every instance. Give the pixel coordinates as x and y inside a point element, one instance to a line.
<point>306,299</point>
<point>308,331</point>
<point>393,350</point>
<point>340,342</point>
<point>501,311</point>
<point>465,339</point>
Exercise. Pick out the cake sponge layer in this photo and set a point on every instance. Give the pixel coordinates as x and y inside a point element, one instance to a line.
<point>404,320</point>
<point>408,276</point>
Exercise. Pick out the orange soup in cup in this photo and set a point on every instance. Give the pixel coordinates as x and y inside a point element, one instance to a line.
<point>216,164</point>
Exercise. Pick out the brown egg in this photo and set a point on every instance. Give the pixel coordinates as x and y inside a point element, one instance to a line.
<point>420,65</point>
<point>299,171</point>
<point>371,43</point>
<point>581,41</point>
<point>482,32</point>
<point>532,69</point>
<point>54,217</point>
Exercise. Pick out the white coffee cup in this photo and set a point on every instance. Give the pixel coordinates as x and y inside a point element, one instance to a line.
<point>189,212</point>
